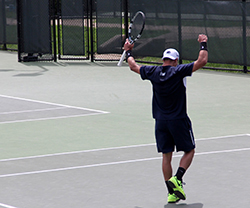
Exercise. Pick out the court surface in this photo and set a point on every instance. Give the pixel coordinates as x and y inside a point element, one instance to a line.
<point>80,134</point>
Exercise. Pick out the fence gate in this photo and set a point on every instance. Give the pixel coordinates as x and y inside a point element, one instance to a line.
<point>34,30</point>
<point>109,34</point>
<point>73,33</point>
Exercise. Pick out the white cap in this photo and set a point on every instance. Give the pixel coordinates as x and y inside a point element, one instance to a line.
<point>170,53</point>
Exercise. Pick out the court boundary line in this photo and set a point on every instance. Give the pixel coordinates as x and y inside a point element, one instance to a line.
<point>36,110</point>
<point>6,206</point>
<point>50,118</point>
<point>222,137</point>
<point>109,148</point>
<point>115,163</point>
<point>50,103</point>
<point>94,112</point>
<point>75,152</point>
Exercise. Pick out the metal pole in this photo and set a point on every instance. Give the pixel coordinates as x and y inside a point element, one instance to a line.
<point>126,18</point>
<point>179,31</point>
<point>244,36</point>
<point>54,30</point>
<point>19,25</point>
<point>59,22</point>
<point>87,17</point>
<point>4,25</point>
<point>91,32</point>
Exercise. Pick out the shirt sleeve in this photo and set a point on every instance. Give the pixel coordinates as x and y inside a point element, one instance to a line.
<point>147,72</point>
<point>186,69</point>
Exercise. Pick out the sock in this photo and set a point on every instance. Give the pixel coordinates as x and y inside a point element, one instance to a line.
<point>170,190</point>
<point>180,172</point>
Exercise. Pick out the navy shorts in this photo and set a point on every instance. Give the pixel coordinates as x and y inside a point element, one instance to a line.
<point>174,133</point>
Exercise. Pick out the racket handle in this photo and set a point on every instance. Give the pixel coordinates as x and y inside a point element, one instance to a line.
<point>122,58</point>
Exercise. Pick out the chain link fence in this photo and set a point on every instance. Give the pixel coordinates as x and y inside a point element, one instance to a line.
<point>8,25</point>
<point>177,24</point>
<point>97,29</point>
<point>73,29</point>
<point>34,30</point>
<point>108,27</point>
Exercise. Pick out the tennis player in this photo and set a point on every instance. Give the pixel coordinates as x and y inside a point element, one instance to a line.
<point>173,128</point>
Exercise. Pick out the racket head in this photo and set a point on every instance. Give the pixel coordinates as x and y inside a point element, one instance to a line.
<point>136,27</point>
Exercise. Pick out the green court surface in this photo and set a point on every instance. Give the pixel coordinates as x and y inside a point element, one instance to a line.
<point>81,134</point>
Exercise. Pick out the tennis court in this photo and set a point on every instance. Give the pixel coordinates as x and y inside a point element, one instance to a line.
<point>80,134</point>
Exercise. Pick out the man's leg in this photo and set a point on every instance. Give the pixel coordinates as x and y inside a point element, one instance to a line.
<point>185,162</point>
<point>166,165</point>
<point>187,159</point>
<point>176,181</point>
<point>167,173</point>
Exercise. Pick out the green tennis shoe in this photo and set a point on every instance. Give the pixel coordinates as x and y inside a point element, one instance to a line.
<point>176,185</point>
<point>172,198</point>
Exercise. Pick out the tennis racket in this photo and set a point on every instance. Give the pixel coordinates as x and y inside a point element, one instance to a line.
<point>135,30</point>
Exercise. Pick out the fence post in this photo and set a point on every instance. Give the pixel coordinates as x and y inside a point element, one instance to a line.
<point>18,6</point>
<point>126,18</point>
<point>91,32</point>
<point>4,25</point>
<point>244,36</point>
<point>179,31</point>
<point>54,17</point>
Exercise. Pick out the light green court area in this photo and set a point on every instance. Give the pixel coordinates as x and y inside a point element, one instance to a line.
<point>81,134</point>
<point>218,105</point>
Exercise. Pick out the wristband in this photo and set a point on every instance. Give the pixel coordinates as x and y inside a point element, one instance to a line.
<point>203,46</point>
<point>128,54</point>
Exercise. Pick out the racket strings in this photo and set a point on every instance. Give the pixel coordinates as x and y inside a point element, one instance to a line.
<point>137,27</point>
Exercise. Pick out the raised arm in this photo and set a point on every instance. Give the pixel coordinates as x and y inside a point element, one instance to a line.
<point>130,59</point>
<point>203,54</point>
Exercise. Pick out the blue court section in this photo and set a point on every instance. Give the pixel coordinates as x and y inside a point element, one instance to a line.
<point>128,176</point>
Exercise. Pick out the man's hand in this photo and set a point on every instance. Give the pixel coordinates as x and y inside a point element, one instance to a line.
<point>131,61</point>
<point>203,54</point>
<point>128,46</point>
<point>202,38</point>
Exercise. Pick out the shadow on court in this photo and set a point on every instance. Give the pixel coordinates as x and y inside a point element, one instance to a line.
<point>183,205</point>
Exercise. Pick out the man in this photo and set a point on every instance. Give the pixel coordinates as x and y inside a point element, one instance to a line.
<point>173,128</point>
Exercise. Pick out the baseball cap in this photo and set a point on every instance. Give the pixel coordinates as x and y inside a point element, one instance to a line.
<point>170,53</point>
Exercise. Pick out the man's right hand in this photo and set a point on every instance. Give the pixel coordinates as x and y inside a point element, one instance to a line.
<point>128,45</point>
<point>202,38</point>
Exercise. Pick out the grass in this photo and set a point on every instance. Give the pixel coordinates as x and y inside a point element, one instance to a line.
<point>72,35</point>
<point>209,66</point>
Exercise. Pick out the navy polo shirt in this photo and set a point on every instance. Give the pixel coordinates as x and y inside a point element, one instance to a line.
<point>169,90</point>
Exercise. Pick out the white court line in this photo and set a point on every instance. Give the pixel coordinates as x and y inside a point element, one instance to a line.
<point>49,103</point>
<point>51,118</point>
<point>115,163</point>
<point>6,206</point>
<point>76,152</point>
<point>28,111</point>
<point>109,148</point>
<point>96,112</point>
<point>222,137</point>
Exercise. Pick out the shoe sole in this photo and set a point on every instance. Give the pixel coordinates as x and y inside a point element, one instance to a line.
<point>177,193</point>
<point>173,202</point>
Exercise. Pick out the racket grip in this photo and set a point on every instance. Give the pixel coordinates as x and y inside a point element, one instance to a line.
<point>122,58</point>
